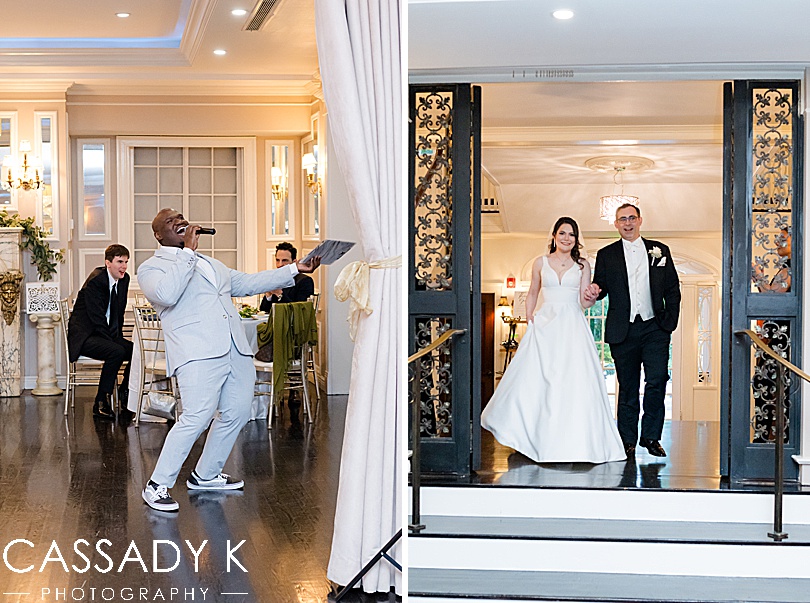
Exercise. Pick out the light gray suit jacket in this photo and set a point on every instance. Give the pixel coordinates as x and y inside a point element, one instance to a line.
<point>198,317</point>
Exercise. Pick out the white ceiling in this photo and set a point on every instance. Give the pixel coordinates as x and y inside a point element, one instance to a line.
<point>165,46</point>
<point>537,138</point>
<point>496,36</point>
<point>632,77</point>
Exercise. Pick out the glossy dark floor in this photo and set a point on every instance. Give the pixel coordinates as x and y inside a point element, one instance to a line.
<point>71,487</point>
<point>692,462</point>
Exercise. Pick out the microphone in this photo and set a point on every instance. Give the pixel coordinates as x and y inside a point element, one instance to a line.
<point>208,231</point>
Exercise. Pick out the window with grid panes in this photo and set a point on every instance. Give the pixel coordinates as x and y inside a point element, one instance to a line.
<point>201,182</point>
<point>596,316</point>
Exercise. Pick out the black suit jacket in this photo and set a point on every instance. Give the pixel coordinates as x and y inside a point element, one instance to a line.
<point>89,316</point>
<point>610,274</point>
<point>302,290</point>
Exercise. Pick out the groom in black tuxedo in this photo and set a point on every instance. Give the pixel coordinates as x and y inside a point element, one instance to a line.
<point>645,300</point>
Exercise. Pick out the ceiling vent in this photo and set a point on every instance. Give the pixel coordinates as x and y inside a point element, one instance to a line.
<point>261,14</point>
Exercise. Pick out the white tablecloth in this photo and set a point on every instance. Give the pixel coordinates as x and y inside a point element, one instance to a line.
<point>251,325</point>
<point>136,371</point>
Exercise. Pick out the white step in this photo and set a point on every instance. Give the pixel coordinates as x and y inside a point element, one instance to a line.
<point>631,504</point>
<point>613,557</point>
<point>431,586</point>
<point>557,544</point>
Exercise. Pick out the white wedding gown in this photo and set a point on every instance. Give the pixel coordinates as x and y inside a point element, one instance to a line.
<point>551,403</point>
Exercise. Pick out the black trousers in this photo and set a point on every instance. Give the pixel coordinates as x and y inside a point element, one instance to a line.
<point>646,344</point>
<point>114,353</point>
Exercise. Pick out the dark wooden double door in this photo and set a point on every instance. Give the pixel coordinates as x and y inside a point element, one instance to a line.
<point>762,287</point>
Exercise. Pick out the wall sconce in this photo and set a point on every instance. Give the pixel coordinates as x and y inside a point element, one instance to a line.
<point>309,162</point>
<point>511,281</point>
<point>505,307</point>
<point>278,183</point>
<point>25,174</point>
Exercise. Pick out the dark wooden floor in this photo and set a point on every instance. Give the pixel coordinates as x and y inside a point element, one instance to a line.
<point>66,480</point>
<point>692,462</point>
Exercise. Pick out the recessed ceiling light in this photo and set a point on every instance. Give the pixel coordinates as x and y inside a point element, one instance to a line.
<point>122,15</point>
<point>563,14</point>
<point>239,12</point>
<point>220,52</point>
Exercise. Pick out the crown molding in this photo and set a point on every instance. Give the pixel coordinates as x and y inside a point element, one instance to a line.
<point>217,86</point>
<point>34,86</point>
<point>98,57</point>
<point>613,135</point>
<point>664,72</point>
<point>315,86</point>
<point>199,15</point>
<point>164,51</point>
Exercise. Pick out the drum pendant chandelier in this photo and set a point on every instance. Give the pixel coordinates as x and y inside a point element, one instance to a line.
<point>608,204</point>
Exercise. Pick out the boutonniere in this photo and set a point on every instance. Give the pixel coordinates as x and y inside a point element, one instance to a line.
<point>655,254</point>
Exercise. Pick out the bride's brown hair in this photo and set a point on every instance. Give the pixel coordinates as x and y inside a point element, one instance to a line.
<point>577,245</point>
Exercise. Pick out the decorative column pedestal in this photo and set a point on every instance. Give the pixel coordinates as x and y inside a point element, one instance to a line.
<point>43,311</point>
<point>46,354</point>
<point>10,328</point>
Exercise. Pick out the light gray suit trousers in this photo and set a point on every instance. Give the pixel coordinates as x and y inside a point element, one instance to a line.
<point>206,350</point>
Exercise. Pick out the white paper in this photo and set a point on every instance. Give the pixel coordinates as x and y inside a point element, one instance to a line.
<point>330,251</point>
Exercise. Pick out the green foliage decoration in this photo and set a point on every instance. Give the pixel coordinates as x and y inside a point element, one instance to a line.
<point>33,239</point>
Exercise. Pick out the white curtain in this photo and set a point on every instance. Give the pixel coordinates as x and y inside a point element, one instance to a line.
<point>359,56</point>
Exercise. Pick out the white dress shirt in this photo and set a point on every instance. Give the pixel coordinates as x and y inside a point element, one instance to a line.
<point>111,282</point>
<point>638,279</point>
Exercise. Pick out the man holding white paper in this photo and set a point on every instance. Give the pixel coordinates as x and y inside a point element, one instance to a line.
<point>329,251</point>
<point>303,288</point>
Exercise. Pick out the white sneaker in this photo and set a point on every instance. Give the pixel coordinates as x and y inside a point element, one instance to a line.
<point>223,481</point>
<point>158,498</point>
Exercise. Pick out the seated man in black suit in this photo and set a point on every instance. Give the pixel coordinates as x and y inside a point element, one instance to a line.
<point>303,288</point>
<point>95,328</point>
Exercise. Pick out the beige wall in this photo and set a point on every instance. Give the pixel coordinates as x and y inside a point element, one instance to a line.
<point>265,118</point>
<point>25,106</point>
<point>189,116</point>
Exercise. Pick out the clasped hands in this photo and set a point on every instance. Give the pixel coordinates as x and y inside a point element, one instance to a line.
<point>592,292</point>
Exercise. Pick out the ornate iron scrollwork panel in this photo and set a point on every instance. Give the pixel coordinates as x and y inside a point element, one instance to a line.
<point>776,333</point>
<point>436,412</point>
<point>433,175</point>
<point>772,187</point>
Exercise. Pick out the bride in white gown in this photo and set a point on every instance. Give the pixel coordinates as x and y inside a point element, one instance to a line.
<point>551,403</point>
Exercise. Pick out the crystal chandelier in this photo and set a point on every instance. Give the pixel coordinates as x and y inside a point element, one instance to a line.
<point>608,204</point>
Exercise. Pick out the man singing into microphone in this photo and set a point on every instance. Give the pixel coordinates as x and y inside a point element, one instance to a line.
<point>206,349</point>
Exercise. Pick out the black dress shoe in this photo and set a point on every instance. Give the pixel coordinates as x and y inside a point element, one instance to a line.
<point>653,447</point>
<point>103,410</point>
<point>629,450</point>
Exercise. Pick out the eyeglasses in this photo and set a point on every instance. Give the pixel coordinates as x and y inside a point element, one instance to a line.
<point>627,219</point>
